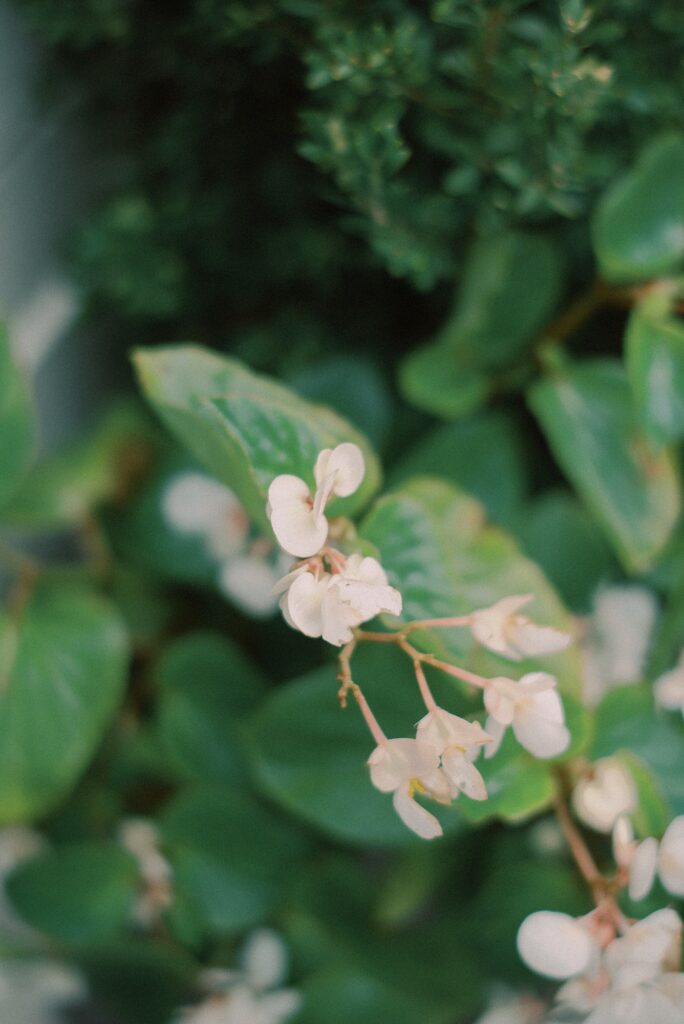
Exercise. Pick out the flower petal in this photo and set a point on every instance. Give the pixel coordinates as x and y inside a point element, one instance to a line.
<point>304,601</point>
<point>416,817</point>
<point>497,731</point>
<point>671,857</point>
<point>297,528</point>
<point>642,870</point>
<point>344,464</point>
<point>463,775</point>
<point>554,945</point>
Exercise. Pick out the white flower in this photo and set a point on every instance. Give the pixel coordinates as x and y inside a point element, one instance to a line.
<point>248,580</point>
<point>514,636</point>
<point>555,945</point>
<point>195,503</point>
<point>331,606</point>
<point>141,839</point>
<point>36,992</point>
<point>455,740</point>
<point>640,860</point>
<point>405,767</point>
<point>669,688</point>
<point>534,710</point>
<point>297,517</point>
<point>617,639</point>
<point>671,857</point>
<point>609,792</point>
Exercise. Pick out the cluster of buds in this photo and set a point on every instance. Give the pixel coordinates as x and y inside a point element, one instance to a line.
<point>330,594</point>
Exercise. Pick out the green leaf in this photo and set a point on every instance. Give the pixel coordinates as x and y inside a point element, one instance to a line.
<point>17,431</point>
<point>586,414</point>
<point>62,676</point>
<point>439,552</point>
<point>483,455</point>
<point>310,755</point>
<point>207,686</point>
<point>626,721</point>
<point>79,893</point>
<point>65,487</point>
<point>560,535</point>
<point>510,286</point>
<point>638,226</point>
<point>651,816</point>
<point>245,428</point>
<point>229,855</point>
<point>518,785</point>
<point>655,363</point>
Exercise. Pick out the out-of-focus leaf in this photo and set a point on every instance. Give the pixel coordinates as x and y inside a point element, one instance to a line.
<point>63,670</point>
<point>651,815</point>
<point>207,686</point>
<point>586,414</point>
<point>229,855</point>
<point>638,225</point>
<point>559,534</point>
<point>245,428</point>
<point>483,455</point>
<point>79,893</point>
<point>518,785</point>
<point>444,559</point>
<point>655,363</point>
<point>510,286</point>
<point>17,431</point>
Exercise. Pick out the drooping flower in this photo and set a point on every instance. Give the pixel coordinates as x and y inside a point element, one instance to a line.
<point>405,767</point>
<point>196,503</point>
<point>533,708</point>
<point>503,630</point>
<point>604,795</point>
<point>298,517</point>
<point>248,580</point>
<point>330,606</point>
<point>669,688</point>
<point>455,741</point>
<point>616,639</point>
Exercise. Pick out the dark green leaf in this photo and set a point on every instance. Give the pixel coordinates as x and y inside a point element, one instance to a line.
<point>17,432</point>
<point>655,363</point>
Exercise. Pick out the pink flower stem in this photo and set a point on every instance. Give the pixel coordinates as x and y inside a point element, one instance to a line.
<point>458,673</point>
<point>445,623</point>
<point>425,691</point>
<point>371,721</point>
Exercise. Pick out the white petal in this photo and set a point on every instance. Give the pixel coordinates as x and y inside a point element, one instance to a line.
<point>368,599</point>
<point>463,775</point>
<point>554,945</point>
<point>539,724</point>
<point>440,729</point>
<point>193,502</point>
<point>345,464</point>
<point>642,870</point>
<point>391,764</point>
<point>304,602</point>
<point>669,689</point>
<point>248,581</point>
<point>599,801</point>
<point>488,626</point>
<point>623,841</point>
<point>339,618</point>
<point>264,959</point>
<point>298,530</point>
<point>496,731</point>
<point>541,682</point>
<point>533,640</point>
<point>671,857</point>
<point>416,817</point>
<point>500,699</point>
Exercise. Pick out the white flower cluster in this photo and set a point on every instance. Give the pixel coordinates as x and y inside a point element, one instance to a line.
<point>250,995</point>
<point>631,977</point>
<point>643,861</point>
<point>196,504</point>
<point>329,594</point>
<point>141,838</point>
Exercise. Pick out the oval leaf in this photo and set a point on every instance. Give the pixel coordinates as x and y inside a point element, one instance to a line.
<point>655,364</point>
<point>17,433</point>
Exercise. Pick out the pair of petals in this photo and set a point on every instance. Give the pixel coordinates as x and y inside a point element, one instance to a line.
<point>605,795</point>
<point>503,630</point>
<point>404,767</point>
<point>298,518</point>
<point>534,710</point>
<point>649,858</point>
<point>331,606</point>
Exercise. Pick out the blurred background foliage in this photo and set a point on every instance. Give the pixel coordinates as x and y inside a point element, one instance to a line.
<point>460,225</point>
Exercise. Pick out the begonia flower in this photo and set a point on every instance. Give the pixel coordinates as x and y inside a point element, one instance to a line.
<point>555,945</point>
<point>609,792</point>
<point>501,629</point>
<point>533,709</point>
<point>640,860</point>
<point>405,767</point>
<point>455,740</point>
<point>617,638</point>
<point>668,689</point>
<point>196,503</point>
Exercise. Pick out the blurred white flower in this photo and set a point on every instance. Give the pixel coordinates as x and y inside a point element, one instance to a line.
<point>639,860</point>
<point>508,1007</point>
<point>249,995</point>
<point>36,992</point>
<point>555,945</point>
<point>617,638</point>
<point>332,605</point>
<point>455,741</point>
<point>248,580</point>
<point>502,629</point>
<point>405,767</point>
<point>196,503</point>
<point>671,857</point>
<point>605,794</point>
<point>298,517</point>
<point>141,838</point>
<point>669,688</point>
<point>533,708</point>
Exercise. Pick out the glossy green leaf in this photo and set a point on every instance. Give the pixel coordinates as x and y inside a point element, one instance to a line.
<point>245,428</point>
<point>63,670</point>
<point>207,686</point>
<point>586,413</point>
<point>229,854</point>
<point>638,226</point>
<point>78,893</point>
<point>509,288</point>
<point>438,550</point>
<point>310,755</point>
<point>655,363</point>
<point>17,431</point>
